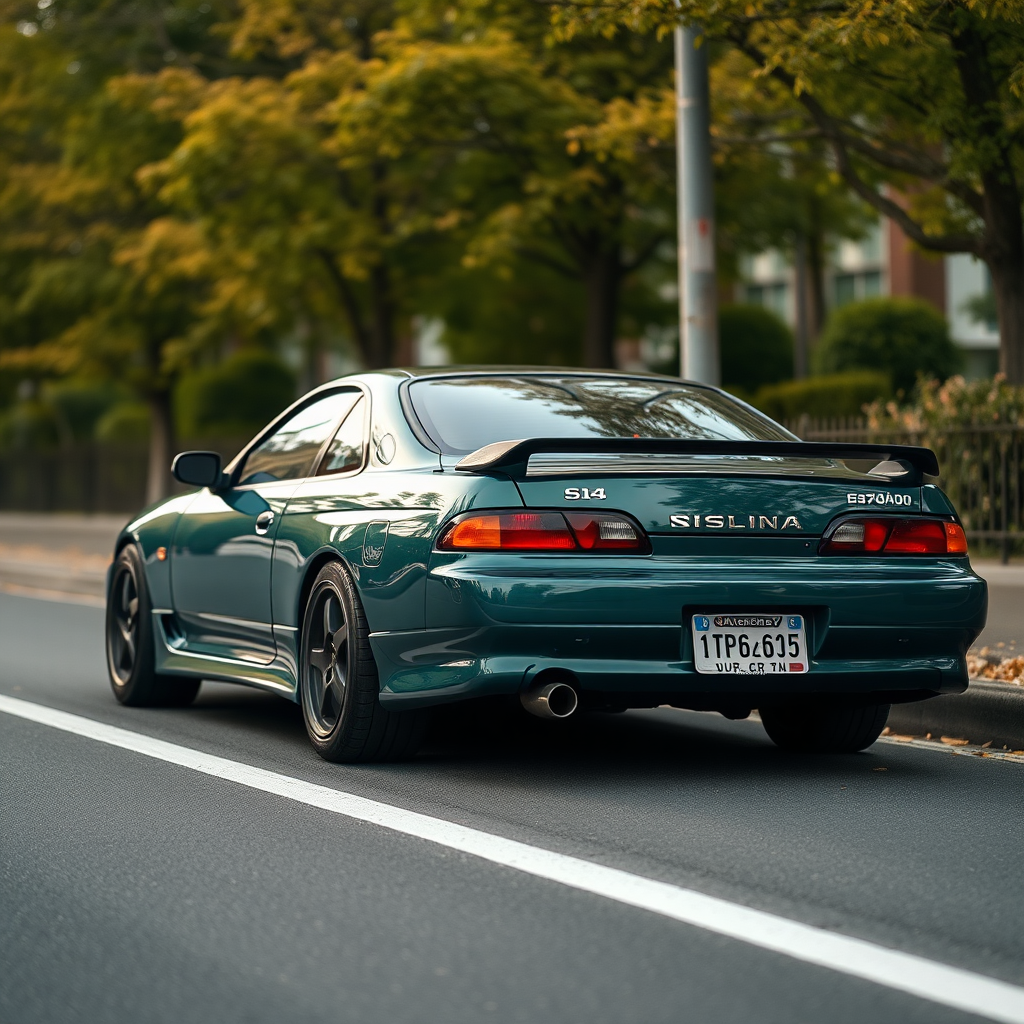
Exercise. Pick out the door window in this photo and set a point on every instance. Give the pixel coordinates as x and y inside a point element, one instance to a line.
<point>289,453</point>
<point>345,453</point>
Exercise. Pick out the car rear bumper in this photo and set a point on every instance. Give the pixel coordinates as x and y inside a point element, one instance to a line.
<point>876,630</point>
<point>638,666</point>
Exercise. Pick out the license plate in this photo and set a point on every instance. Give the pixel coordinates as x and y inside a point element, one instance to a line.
<point>749,644</point>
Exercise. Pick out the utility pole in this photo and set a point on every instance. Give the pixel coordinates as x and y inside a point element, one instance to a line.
<point>698,314</point>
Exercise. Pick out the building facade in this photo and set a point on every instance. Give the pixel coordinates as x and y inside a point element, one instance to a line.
<point>885,263</point>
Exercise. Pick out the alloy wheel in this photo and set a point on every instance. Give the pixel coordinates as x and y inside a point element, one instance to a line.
<point>326,661</point>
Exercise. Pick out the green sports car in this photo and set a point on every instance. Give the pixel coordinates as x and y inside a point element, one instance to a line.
<point>567,539</point>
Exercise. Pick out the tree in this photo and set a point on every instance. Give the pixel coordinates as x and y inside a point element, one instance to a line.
<point>104,281</point>
<point>560,155</point>
<point>782,196</point>
<point>923,96</point>
<point>900,336</point>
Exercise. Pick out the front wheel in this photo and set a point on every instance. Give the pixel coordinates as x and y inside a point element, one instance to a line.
<point>130,643</point>
<point>338,684</point>
<point>824,728</point>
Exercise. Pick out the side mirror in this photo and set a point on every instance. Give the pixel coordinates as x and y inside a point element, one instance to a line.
<point>199,469</point>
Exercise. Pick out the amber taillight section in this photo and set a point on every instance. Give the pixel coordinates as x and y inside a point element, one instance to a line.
<point>545,531</point>
<point>893,536</point>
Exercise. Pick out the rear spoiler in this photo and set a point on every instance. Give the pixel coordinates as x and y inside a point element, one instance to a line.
<point>512,457</point>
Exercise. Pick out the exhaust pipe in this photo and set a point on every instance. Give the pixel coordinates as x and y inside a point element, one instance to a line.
<point>552,700</point>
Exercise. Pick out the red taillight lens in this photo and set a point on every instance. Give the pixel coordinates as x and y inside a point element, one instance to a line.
<point>509,531</point>
<point>913,537</point>
<point>891,536</point>
<point>544,531</point>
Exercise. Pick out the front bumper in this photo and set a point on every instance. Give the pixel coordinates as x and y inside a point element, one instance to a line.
<point>882,629</point>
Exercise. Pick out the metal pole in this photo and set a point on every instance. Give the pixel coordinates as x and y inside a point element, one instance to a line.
<point>698,315</point>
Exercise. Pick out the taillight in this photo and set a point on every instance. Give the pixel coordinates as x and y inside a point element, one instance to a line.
<point>544,531</point>
<point>602,531</point>
<point>514,531</point>
<point>892,536</point>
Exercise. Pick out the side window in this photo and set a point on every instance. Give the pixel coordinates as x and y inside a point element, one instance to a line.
<point>289,452</point>
<point>346,449</point>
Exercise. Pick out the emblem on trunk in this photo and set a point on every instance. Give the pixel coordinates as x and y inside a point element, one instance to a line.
<point>700,521</point>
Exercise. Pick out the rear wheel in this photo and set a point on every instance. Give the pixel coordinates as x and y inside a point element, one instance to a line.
<point>338,684</point>
<point>824,728</point>
<point>130,643</point>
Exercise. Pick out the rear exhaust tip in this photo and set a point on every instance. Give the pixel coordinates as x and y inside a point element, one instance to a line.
<point>552,700</point>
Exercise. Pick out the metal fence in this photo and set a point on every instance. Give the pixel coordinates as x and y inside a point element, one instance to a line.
<point>87,477</point>
<point>982,468</point>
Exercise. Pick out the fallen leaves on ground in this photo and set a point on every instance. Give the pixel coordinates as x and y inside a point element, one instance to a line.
<point>985,664</point>
<point>953,741</point>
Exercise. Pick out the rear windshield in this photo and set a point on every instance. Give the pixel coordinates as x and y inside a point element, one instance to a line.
<point>462,414</point>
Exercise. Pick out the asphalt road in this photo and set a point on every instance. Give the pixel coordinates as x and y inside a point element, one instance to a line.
<point>133,889</point>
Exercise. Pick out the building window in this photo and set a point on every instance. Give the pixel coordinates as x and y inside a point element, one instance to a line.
<point>771,296</point>
<point>865,284</point>
<point>871,247</point>
<point>845,288</point>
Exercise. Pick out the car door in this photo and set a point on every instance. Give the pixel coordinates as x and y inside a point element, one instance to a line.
<point>223,547</point>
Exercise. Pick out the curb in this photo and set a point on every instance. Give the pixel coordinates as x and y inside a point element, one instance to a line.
<point>987,712</point>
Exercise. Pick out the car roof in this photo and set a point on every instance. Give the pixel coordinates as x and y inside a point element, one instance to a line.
<point>456,370</point>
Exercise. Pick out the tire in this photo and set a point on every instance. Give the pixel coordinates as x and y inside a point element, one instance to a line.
<point>824,728</point>
<point>338,685</point>
<point>131,650</point>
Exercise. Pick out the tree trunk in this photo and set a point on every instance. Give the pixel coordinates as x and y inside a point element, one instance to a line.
<point>1003,246</point>
<point>816,305</point>
<point>161,447</point>
<point>350,303</point>
<point>602,277</point>
<point>1008,285</point>
<point>802,335</point>
<point>382,330</point>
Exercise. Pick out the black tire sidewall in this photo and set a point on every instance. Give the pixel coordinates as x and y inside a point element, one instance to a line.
<point>129,691</point>
<point>361,671</point>
<point>145,687</point>
<point>827,728</point>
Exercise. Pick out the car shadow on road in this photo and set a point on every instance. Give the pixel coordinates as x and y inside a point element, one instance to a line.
<point>658,745</point>
<point>488,742</point>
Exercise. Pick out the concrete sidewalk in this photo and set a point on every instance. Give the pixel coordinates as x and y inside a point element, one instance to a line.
<point>57,555</point>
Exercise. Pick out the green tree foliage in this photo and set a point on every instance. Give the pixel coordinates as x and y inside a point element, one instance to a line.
<point>103,281</point>
<point>782,196</point>
<point>756,347</point>
<point>903,337</point>
<point>924,95</point>
<point>236,397</point>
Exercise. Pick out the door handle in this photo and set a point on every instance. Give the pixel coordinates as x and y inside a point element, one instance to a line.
<point>264,521</point>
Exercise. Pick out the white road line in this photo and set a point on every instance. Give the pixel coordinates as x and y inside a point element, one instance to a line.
<point>904,972</point>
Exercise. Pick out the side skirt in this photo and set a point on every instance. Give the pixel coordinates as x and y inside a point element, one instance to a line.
<point>173,659</point>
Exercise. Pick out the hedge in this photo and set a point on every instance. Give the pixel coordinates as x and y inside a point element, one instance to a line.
<point>837,394</point>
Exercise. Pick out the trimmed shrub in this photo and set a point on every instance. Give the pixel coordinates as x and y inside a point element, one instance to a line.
<point>80,404</point>
<point>839,394</point>
<point>30,423</point>
<point>126,421</point>
<point>235,398</point>
<point>901,336</point>
<point>756,347</point>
